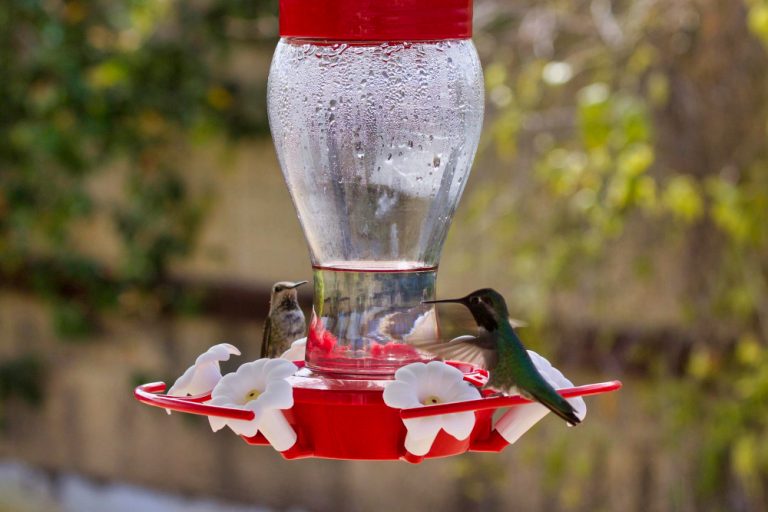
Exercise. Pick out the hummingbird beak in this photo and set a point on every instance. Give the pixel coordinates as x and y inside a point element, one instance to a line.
<point>462,300</point>
<point>297,284</point>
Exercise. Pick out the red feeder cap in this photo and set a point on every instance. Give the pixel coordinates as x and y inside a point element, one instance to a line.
<point>376,20</point>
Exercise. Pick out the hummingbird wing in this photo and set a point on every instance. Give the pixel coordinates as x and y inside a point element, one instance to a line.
<point>415,323</point>
<point>516,323</point>
<point>265,337</point>
<point>479,351</point>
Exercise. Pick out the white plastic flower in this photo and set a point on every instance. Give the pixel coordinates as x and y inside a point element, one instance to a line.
<point>419,384</point>
<point>518,420</point>
<point>202,376</point>
<point>297,350</point>
<point>259,386</point>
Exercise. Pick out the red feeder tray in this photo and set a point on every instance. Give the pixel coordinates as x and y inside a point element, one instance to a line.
<point>348,419</point>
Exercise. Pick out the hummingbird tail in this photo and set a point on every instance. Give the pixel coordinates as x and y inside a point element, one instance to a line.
<point>558,405</point>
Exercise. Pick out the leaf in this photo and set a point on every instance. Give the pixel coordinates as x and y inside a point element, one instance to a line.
<point>682,198</point>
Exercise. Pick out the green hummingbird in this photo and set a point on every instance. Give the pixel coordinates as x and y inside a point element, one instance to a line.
<point>285,322</point>
<point>500,351</point>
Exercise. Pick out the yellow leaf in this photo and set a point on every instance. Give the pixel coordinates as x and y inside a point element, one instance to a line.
<point>758,21</point>
<point>700,364</point>
<point>495,75</point>
<point>743,457</point>
<point>635,160</point>
<point>219,98</point>
<point>748,350</point>
<point>682,198</point>
<point>107,74</point>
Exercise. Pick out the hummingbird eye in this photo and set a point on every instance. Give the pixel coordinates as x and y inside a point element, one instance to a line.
<point>476,300</point>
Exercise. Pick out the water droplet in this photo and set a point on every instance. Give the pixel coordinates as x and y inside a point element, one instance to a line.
<point>436,161</point>
<point>410,144</point>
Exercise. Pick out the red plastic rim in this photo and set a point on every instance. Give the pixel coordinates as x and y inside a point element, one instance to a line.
<point>150,395</point>
<point>505,401</point>
<point>376,20</point>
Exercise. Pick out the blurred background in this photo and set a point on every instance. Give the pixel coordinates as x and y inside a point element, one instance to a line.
<point>619,200</point>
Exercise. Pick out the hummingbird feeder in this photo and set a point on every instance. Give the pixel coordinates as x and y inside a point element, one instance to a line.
<point>376,109</point>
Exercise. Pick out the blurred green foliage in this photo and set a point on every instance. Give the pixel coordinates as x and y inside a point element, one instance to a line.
<point>642,125</point>
<point>88,86</point>
<point>603,103</point>
<point>22,379</point>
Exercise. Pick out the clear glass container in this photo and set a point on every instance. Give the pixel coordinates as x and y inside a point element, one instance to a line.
<point>375,141</point>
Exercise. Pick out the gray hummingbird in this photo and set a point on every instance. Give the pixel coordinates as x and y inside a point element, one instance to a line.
<point>285,322</point>
<point>500,351</point>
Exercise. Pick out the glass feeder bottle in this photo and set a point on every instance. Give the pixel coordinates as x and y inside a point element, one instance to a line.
<point>375,108</point>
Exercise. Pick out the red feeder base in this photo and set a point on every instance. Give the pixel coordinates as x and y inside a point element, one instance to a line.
<point>348,419</point>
